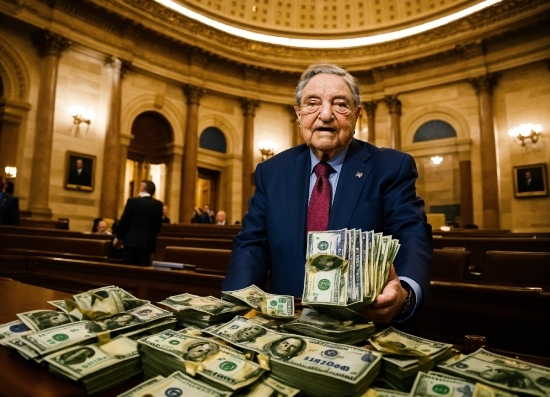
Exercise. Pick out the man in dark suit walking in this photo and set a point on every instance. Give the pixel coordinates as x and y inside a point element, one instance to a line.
<point>368,188</point>
<point>139,226</point>
<point>9,206</point>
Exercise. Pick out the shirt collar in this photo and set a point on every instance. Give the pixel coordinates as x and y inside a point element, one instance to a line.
<point>144,194</point>
<point>336,162</point>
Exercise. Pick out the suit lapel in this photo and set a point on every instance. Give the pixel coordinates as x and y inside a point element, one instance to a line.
<point>297,191</point>
<point>355,173</point>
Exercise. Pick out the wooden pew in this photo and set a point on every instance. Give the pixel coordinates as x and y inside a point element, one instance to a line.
<point>204,259</point>
<point>193,242</point>
<point>531,269</point>
<point>44,223</point>
<point>451,265</point>
<point>479,246</point>
<point>200,231</point>
<point>512,318</point>
<point>145,282</point>
<point>14,244</point>
<point>37,231</point>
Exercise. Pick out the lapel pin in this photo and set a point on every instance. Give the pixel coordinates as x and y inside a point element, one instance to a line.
<point>359,174</point>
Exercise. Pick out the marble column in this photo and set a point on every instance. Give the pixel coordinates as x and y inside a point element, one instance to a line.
<point>394,106</point>
<point>294,126</point>
<point>49,46</point>
<point>249,111</point>
<point>466,195</point>
<point>370,110</point>
<point>12,115</point>
<point>191,148</point>
<point>124,144</point>
<point>111,150</point>
<point>484,86</point>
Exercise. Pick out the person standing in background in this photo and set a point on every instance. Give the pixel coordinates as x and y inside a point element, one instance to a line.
<point>165,218</point>
<point>204,215</point>
<point>139,226</point>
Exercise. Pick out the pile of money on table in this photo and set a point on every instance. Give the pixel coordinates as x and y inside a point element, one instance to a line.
<point>346,269</point>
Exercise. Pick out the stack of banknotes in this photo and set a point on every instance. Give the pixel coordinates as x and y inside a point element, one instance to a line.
<point>97,367</point>
<point>271,305</point>
<point>92,316</point>
<point>317,367</point>
<point>202,311</point>
<point>325,327</point>
<point>215,364</point>
<point>405,355</point>
<point>346,269</point>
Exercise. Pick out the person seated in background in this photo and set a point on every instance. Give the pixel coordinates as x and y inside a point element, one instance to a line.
<point>102,228</point>
<point>94,225</point>
<point>221,218</point>
<point>204,215</point>
<point>9,206</point>
<point>165,218</point>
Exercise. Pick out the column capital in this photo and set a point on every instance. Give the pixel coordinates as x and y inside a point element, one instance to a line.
<point>118,64</point>
<point>193,94</point>
<point>471,49</point>
<point>48,43</point>
<point>249,106</point>
<point>394,104</point>
<point>251,73</point>
<point>485,83</point>
<point>198,57</point>
<point>370,107</point>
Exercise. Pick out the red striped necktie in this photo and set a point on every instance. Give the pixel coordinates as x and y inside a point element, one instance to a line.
<point>319,203</point>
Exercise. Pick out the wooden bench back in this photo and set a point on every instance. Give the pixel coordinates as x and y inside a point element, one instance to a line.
<point>193,242</point>
<point>451,265</point>
<point>202,258</point>
<point>530,269</point>
<point>15,243</point>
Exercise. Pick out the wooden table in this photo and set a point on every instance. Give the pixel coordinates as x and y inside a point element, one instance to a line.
<point>22,378</point>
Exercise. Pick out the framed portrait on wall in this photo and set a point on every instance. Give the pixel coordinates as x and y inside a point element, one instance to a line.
<point>80,171</point>
<point>530,181</point>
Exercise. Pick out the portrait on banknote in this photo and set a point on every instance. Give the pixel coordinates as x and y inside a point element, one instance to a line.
<point>286,347</point>
<point>199,351</point>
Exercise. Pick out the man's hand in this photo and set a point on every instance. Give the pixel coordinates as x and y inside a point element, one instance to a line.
<point>389,303</point>
<point>117,243</point>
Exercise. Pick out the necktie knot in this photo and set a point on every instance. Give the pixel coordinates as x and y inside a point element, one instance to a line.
<point>323,169</point>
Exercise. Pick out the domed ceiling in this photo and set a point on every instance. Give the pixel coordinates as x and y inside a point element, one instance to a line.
<point>325,18</point>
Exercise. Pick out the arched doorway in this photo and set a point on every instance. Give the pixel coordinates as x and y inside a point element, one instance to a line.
<point>208,182</point>
<point>148,155</point>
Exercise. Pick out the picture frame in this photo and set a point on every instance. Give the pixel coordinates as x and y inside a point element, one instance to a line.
<point>83,180</point>
<point>530,181</point>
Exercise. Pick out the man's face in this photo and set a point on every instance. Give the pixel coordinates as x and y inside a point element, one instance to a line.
<point>527,175</point>
<point>287,347</point>
<point>79,164</point>
<point>206,208</point>
<point>164,210</point>
<point>327,115</point>
<point>102,227</point>
<point>59,319</point>
<point>199,352</point>
<point>220,217</point>
<point>251,332</point>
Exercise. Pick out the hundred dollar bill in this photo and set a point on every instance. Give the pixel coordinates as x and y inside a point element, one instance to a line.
<point>26,351</point>
<point>268,386</point>
<point>179,384</point>
<point>393,341</point>
<point>251,295</point>
<point>39,320</point>
<point>339,361</point>
<point>138,390</point>
<point>332,242</point>
<point>206,304</point>
<point>482,390</point>
<point>57,338</point>
<point>325,324</point>
<point>325,279</point>
<point>99,302</point>
<point>503,372</point>
<point>438,386</point>
<point>277,305</point>
<point>77,362</point>
<point>13,329</point>
<point>380,392</point>
<point>135,318</point>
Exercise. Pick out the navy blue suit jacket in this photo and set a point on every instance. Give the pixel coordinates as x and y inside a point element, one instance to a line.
<point>376,191</point>
<point>140,223</point>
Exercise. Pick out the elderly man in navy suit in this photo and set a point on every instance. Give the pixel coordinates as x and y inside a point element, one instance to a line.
<point>371,189</point>
<point>139,226</point>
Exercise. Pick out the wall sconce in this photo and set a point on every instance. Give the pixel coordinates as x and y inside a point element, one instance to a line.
<point>11,171</point>
<point>81,115</point>
<point>437,160</point>
<point>267,148</point>
<point>526,131</point>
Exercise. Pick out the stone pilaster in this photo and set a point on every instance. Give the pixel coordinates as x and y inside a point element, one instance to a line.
<point>249,111</point>
<point>370,110</point>
<point>394,107</point>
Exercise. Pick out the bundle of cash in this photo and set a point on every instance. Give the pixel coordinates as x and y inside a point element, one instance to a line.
<point>12,330</point>
<point>330,368</point>
<point>346,268</point>
<point>215,364</point>
<point>512,375</point>
<point>267,386</point>
<point>325,327</point>
<point>405,355</point>
<point>177,384</point>
<point>436,384</point>
<point>202,311</point>
<point>97,367</point>
<point>36,345</point>
<point>381,392</point>
<point>276,306</point>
